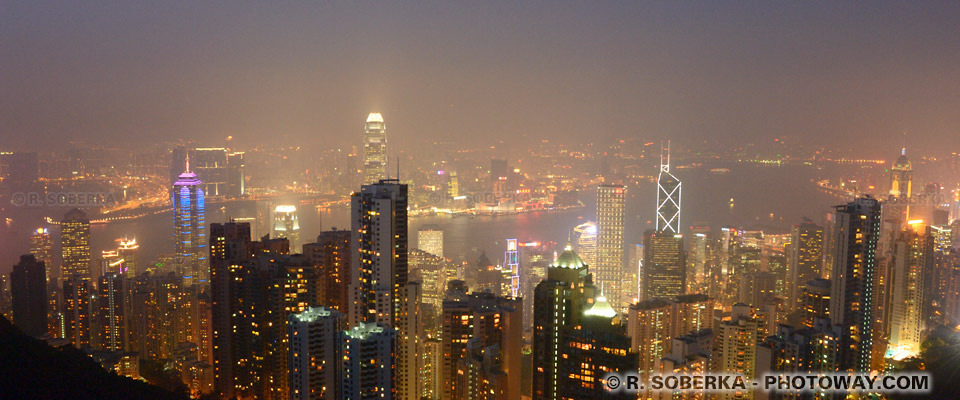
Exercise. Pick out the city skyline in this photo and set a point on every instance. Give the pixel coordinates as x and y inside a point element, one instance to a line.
<point>203,201</point>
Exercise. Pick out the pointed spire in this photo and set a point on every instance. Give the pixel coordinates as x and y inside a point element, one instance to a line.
<point>665,166</point>
<point>188,162</point>
<point>903,151</point>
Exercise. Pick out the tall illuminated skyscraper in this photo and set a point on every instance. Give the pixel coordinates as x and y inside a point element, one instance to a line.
<point>806,258</point>
<point>189,226</point>
<point>286,225</point>
<point>75,244</point>
<point>42,248</point>
<point>853,297</point>
<point>379,289</point>
<point>912,259</point>
<point>901,176</point>
<point>76,273</point>
<point>609,269</point>
<point>559,304</point>
<point>374,149</point>
<point>668,198</point>
<point>664,268</point>
<point>112,289</point>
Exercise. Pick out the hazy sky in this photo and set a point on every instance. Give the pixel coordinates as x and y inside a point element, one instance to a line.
<point>479,71</point>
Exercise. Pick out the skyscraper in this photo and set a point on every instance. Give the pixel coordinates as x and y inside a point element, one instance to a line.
<point>75,244</point>
<point>189,226</point>
<point>42,248</point>
<point>559,302</point>
<point>76,309</point>
<point>286,225</point>
<point>664,269</point>
<point>111,295</point>
<point>815,301</point>
<point>379,289</point>
<point>367,363</point>
<point>668,197</point>
<point>332,257</point>
<point>853,296</point>
<point>806,258</point>
<point>374,149</point>
<point>592,349</point>
<point>609,268</point>
<point>735,346</point>
<point>316,357</point>
<point>256,286</point>
<point>76,273</point>
<point>901,176</point>
<point>482,345</point>
<point>912,258</point>
<point>430,240</point>
<point>650,328</point>
<point>28,287</point>
<point>379,218</point>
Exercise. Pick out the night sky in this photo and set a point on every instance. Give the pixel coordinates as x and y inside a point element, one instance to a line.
<point>851,73</point>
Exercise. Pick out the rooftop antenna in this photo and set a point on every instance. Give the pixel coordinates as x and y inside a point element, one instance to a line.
<point>188,162</point>
<point>903,149</point>
<point>398,168</point>
<point>665,167</point>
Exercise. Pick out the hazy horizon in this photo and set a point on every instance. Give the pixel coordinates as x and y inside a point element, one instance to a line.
<point>858,75</point>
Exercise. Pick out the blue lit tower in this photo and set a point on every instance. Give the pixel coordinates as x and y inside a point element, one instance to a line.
<point>189,236</point>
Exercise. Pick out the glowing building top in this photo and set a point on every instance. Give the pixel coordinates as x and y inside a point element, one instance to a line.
<point>374,149</point>
<point>375,117</point>
<point>901,176</point>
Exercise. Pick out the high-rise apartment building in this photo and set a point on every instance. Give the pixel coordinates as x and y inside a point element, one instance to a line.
<point>380,291</point>
<point>316,358</point>
<point>368,356</point>
<point>111,305</point>
<point>481,341</point>
<point>331,256</point>
<point>853,295</point>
